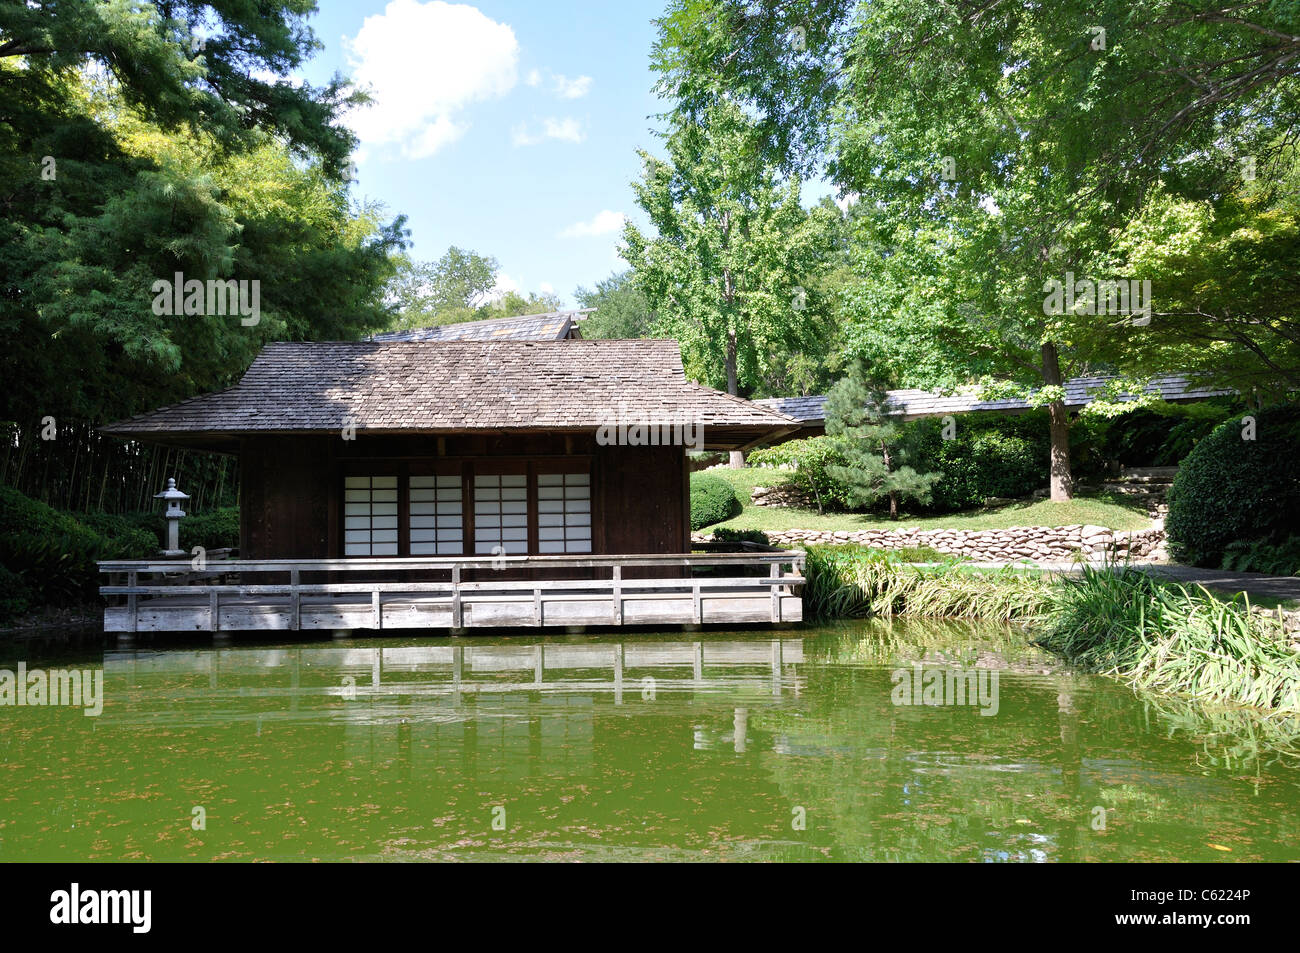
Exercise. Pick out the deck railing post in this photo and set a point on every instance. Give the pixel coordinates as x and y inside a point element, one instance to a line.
<point>617,580</point>
<point>295,580</point>
<point>456,621</point>
<point>775,575</point>
<point>132,601</point>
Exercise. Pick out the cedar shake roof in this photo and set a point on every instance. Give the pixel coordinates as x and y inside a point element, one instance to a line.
<point>911,403</point>
<point>459,387</point>
<point>552,326</point>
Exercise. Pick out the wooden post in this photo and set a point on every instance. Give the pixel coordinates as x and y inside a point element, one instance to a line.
<point>374,607</point>
<point>617,615</point>
<point>537,605</point>
<point>776,592</point>
<point>697,610</point>
<point>132,601</point>
<point>295,621</point>
<point>214,611</point>
<point>456,622</point>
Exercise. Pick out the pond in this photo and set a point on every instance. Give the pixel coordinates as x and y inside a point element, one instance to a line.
<point>780,745</point>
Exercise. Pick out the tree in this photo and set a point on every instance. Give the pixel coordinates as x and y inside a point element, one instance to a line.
<point>217,67</point>
<point>1224,269</point>
<point>452,289</point>
<point>998,146</point>
<point>876,466</point>
<point>729,269</point>
<point>621,309</point>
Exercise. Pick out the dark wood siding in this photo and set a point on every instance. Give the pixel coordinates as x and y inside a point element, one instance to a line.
<point>640,489</point>
<point>287,498</point>
<point>291,486</point>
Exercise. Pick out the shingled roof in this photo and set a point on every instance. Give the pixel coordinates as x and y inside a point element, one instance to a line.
<point>551,326</point>
<point>911,403</point>
<point>458,387</point>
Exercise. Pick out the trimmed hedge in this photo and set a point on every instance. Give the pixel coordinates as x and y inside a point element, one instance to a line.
<point>1004,456</point>
<point>712,501</point>
<point>1233,490</point>
<point>47,556</point>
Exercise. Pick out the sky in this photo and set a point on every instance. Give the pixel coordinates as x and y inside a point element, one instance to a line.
<point>510,128</point>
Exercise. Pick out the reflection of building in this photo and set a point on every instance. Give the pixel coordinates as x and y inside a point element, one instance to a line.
<point>454,671</point>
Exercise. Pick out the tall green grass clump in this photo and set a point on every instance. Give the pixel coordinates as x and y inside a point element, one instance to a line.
<point>1168,638</point>
<point>847,582</point>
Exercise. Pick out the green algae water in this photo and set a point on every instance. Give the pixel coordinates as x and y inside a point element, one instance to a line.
<point>842,743</point>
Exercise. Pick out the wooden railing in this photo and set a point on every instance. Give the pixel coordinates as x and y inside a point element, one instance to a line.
<point>209,584</point>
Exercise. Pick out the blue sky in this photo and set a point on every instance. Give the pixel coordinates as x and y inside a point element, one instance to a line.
<point>507,127</point>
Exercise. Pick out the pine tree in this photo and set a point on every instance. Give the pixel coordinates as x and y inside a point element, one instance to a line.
<point>876,463</point>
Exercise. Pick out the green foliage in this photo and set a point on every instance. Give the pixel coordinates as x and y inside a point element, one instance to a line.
<point>1002,456</point>
<point>724,534</point>
<point>875,463</point>
<point>446,291</point>
<point>222,68</point>
<point>126,537</point>
<point>1167,638</point>
<point>730,266</point>
<point>812,459</point>
<point>1276,559</point>
<point>52,552</point>
<point>215,529</point>
<point>15,597</point>
<point>712,501</point>
<point>622,311</point>
<point>1231,489</point>
<point>848,582</point>
<point>994,180</point>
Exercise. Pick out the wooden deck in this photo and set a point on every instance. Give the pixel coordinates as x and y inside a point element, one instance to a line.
<point>453,593</point>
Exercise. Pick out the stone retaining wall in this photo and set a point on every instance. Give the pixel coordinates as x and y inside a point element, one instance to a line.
<point>1040,543</point>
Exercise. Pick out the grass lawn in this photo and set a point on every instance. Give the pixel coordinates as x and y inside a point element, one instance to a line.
<point>1109,511</point>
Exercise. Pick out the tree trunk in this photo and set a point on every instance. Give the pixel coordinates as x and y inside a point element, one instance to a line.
<point>893,494</point>
<point>733,386</point>
<point>1058,419</point>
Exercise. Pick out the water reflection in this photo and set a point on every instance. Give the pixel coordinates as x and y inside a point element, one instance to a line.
<point>719,747</point>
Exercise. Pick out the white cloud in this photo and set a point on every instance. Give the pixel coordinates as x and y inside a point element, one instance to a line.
<point>534,77</point>
<point>424,63</point>
<point>567,129</point>
<point>574,88</point>
<point>602,223</point>
<point>546,288</point>
<point>504,285</point>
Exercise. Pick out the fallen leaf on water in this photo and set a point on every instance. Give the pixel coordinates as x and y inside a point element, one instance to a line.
<point>1219,847</point>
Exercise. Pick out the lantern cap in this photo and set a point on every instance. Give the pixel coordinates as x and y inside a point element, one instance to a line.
<point>171,493</point>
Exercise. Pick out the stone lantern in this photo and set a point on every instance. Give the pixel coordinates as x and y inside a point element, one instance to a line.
<point>174,513</point>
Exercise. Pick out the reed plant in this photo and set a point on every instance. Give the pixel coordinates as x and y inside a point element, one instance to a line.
<point>1168,638</point>
<point>851,583</point>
